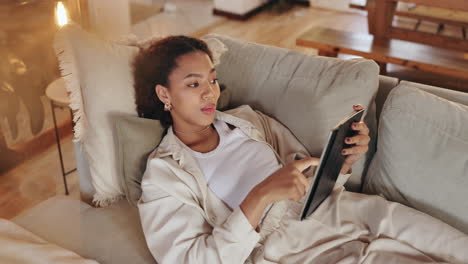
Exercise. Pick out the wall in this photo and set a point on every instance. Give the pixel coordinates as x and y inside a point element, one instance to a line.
<point>331,4</point>
<point>111,21</point>
<point>239,7</point>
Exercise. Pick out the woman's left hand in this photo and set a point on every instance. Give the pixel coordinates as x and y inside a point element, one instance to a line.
<point>361,141</point>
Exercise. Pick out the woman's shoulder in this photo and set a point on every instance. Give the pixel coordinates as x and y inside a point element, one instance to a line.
<point>244,112</point>
<point>239,109</point>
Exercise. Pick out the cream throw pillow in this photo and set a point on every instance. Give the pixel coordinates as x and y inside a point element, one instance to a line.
<point>98,74</point>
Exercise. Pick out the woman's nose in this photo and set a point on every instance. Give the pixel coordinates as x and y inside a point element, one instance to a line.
<point>210,90</point>
<point>208,95</point>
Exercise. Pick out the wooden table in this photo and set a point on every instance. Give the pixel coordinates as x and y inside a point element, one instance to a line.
<point>330,42</point>
<point>380,16</point>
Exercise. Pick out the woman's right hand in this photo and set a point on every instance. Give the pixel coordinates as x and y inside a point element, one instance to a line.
<point>287,183</point>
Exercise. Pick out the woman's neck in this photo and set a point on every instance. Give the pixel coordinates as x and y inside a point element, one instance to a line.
<point>203,140</point>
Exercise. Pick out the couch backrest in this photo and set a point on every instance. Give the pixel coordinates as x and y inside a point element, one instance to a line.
<point>386,84</point>
<point>308,94</point>
<point>451,95</point>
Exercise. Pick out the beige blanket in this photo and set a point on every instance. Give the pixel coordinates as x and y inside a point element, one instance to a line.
<point>351,228</point>
<point>19,246</point>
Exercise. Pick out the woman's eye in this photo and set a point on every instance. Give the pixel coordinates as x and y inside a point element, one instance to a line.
<point>193,85</point>
<point>215,80</point>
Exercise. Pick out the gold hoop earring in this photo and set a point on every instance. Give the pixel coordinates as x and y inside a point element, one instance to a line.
<point>167,107</point>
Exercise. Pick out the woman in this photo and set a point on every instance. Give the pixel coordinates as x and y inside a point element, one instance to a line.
<point>226,187</point>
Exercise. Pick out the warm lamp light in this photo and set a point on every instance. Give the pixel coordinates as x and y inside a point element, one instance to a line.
<point>61,14</point>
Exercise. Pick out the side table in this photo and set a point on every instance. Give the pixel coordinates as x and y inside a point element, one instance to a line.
<point>58,97</point>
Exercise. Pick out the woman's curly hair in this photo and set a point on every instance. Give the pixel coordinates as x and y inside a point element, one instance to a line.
<point>153,65</point>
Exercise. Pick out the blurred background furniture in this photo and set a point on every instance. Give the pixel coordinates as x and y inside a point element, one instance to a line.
<point>407,44</point>
<point>380,15</point>
<point>331,42</point>
<point>450,18</point>
<point>59,98</point>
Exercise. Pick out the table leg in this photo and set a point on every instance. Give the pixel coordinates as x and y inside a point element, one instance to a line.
<point>383,67</point>
<point>370,7</point>
<point>380,18</point>
<point>57,137</point>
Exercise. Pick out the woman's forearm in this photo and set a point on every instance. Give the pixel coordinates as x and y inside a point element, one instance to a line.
<point>253,206</point>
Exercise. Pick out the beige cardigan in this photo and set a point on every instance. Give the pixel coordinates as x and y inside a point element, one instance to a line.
<point>183,220</point>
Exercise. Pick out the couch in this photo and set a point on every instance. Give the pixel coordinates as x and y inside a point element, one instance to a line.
<point>112,234</point>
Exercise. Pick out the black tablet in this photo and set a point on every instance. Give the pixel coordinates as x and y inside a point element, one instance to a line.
<point>330,164</point>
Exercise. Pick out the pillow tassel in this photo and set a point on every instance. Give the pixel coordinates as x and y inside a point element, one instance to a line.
<point>102,200</point>
<point>70,75</point>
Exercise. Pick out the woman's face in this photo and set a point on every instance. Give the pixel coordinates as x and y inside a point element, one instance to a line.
<point>193,92</point>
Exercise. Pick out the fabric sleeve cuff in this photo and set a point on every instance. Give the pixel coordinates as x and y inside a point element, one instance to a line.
<point>239,223</point>
<point>342,179</point>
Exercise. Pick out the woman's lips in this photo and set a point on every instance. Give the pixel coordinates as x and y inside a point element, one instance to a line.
<point>209,109</point>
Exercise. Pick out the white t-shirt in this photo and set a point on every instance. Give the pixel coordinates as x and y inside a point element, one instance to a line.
<point>236,165</point>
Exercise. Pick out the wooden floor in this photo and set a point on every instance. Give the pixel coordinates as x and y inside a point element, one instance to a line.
<point>282,30</point>
<point>37,179</point>
<point>40,178</point>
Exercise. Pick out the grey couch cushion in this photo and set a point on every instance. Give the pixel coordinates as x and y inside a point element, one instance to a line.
<point>421,157</point>
<point>136,138</point>
<point>108,235</point>
<point>308,94</point>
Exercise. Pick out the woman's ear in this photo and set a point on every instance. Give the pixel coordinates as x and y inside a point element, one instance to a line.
<point>162,93</point>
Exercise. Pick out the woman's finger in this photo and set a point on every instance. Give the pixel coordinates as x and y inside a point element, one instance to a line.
<point>303,164</point>
<point>298,192</point>
<point>351,159</point>
<point>303,180</point>
<point>302,190</point>
<point>361,127</point>
<point>360,139</point>
<point>358,107</point>
<point>355,150</point>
